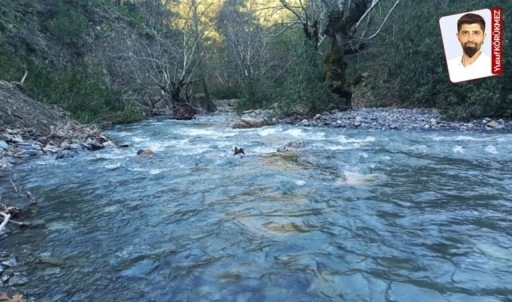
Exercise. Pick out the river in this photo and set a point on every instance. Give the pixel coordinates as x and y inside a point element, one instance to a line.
<point>352,215</point>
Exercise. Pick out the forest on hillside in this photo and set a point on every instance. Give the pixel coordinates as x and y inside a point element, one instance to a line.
<point>118,61</point>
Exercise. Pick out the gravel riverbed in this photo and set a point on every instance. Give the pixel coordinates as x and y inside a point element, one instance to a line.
<point>389,119</point>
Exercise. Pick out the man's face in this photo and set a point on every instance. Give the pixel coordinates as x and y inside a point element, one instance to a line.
<point>471,38</point>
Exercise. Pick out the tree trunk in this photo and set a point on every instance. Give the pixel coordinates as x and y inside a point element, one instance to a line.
<point>207,103</point>
<point>335,65</point>
<point>181,107</point>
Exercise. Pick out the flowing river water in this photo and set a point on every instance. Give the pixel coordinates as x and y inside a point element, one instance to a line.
<point>352,215</point>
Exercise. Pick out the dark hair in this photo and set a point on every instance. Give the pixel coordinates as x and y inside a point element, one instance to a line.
<point>471,19</point>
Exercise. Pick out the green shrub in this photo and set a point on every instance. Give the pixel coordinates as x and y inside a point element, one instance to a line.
<point>70,83</point>
<point>302,90</point>
<point>131,12</point>
<point>225,92</point>
<point>256,93</point>
<point>407,67</point>
<point>79,89</point>
<point>477,99</point>
<point>12,55</point>
<point>68,24</point>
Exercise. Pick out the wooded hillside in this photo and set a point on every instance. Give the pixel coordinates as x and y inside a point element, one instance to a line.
<point>117,61</point>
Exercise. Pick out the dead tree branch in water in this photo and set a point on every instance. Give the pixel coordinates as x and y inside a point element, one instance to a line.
<point>6,219</point>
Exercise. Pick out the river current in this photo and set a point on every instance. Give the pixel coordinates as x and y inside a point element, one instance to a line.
<point>352,215</point>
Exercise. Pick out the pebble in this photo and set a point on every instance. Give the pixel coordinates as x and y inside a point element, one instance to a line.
<point>425,119</point>
<point>17,279</point>
<point>7,276</point>
<point>9,263</point>
<point>397,119</point>
<point>17,144</point>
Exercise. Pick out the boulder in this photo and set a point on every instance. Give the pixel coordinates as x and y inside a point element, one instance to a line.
<point>493,124</point>
<point>94,146</point>
<point>246,123</point>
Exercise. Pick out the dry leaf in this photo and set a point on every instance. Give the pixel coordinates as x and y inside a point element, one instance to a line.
<point>16,298</point>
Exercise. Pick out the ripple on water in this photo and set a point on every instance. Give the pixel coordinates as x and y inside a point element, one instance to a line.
<point>350,286</point>
<point>359,179</point>
<point>350,216</point>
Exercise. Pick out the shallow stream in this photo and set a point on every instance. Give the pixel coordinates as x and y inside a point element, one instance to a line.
<point>353,215</point>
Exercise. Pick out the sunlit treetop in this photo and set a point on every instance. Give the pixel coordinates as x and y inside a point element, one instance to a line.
<point>270,12</point>
<point>196,15</point>
<point>199,15</point>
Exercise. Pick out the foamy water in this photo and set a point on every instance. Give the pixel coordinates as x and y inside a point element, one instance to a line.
<point>347,215</point>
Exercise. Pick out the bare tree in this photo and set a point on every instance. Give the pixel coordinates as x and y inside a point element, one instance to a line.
<point>168,63</point>
<point>338,20</point>
<point>168,59</point>
<point>246,40</point>
<point>252,58</point>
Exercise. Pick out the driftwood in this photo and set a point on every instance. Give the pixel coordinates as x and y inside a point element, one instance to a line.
<point>22,82</point>
<point>14,186</point>
<point>6,213</point>
<point>6,219</point>
<point>18,223</point>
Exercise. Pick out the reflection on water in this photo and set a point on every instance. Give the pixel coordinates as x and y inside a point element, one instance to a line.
<point>349,216</point>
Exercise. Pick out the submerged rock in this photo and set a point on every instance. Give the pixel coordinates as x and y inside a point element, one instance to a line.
<point>145,153</point>
<point>291,146</point>
<point>139,269</point>
<point>3,145</point>
<point>10,263</point>
<point>18,279</point>
<point>239,151</point>
<point>62,154</point>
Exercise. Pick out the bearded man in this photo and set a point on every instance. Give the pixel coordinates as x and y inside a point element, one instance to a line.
<point>473,63</point>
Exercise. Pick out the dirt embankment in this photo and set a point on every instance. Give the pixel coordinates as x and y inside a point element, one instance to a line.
<point>18,111</point>
<point>30,128</point>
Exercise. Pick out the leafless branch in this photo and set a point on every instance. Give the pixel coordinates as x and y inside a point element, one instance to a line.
<point>385,19</point>
<point>24,77</point>
<point>368,11</point>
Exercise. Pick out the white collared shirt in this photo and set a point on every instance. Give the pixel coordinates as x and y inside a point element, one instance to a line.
<point>479,69</point>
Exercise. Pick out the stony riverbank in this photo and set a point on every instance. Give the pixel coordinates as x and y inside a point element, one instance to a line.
<point>64,141</point>
<point>29,128</point>
<point>381,119</point>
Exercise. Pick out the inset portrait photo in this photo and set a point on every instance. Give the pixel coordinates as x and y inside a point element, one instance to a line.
<point>467,39</point>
